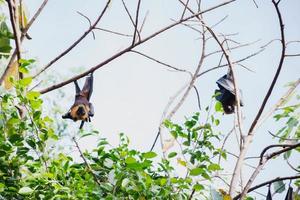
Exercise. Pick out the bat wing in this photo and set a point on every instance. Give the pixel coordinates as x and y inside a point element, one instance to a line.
<point>77,88</point>
<point>225,82</point>
<point>87,89</point>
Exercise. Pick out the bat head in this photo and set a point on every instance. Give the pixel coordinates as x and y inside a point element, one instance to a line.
<point>80,112</point>
<point>227,100</point>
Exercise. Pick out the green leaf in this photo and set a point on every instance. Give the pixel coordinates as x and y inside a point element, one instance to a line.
<point>32,95</point>
<point>25,81</point>
<point>214,167</point>
<point>130,160</point>
<point>163,181</point>
<point>287,154</point>
<point>2,187</point>
<point>15,138</point>
<point>218,107</point>
<point>196,171</point>
<point>149,155</point>
<point>25,191</point>
<point>172,154</point>
<point>2,153</point>
<point>279,186</point>
<point>125,182</point>
<point>85,135</point>
<point>217,122</point>
<point>198,187</point>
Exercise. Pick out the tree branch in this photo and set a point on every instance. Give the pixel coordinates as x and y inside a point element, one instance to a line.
<point>16,29</point>
<point>267,183</point>
<point>263,160</point>
<point>136,23</point>
<point>59,85</point>
<point>162,63</point>
<point>24,32</point>
<point>251,131</point>
<point>76,42</point>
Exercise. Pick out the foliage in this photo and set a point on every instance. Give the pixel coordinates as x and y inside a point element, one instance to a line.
<point>31,170</point>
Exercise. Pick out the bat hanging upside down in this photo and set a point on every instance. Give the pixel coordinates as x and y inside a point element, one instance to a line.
<point>227,93</point>
<point>82,109</point>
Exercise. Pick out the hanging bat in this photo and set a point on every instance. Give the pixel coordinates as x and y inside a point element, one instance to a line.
<point>82,109</point>
<point>227,93</point>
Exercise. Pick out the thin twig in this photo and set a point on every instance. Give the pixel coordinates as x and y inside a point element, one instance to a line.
<point>144,21</point>
<point>282,138</point>
<point>90,23</point>
<point>291,166</point>
<point>192,82</point>
<point>136,23</point>
<point>264,159</point>
<point>113,32</point>
<point>198,97</point>
<point>183,13</point>
<point>86,163</point>
<point>235,62</point>
<point>292,55</point>
<point>233,48</point>
<point>219,22</point>
<point>129,15</point>
<point>162,63</point>
<point>127,49</point>
<point>192,194</point>
<point>267,183</point>
<point>76,42</point>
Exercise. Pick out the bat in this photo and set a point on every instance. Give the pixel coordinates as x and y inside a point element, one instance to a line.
<point>227,93</point>
<point>82,109</point>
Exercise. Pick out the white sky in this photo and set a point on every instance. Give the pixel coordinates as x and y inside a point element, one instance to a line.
<point>131,92</point>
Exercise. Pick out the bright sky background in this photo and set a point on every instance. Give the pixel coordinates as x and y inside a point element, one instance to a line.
<point>131,92</point>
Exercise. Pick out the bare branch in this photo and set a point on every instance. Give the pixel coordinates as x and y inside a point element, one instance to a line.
<point>233,48</point>
<point>234,62</point>
<point>282,138</point>
<point>186,4</point>
<point>136,23</point>
<point>13,14</point>
<point>230,64</point>
<point>113,32</point>
<point>219,22</point>
<point>35,16</point>
<point>75,43</point>
<point>144,21</point>
<point>267,183</point>
<point>59,85</point>
<point>263,160</point>
<point>251,131</point>
<point>198,97</point>
<point>291,166</point>
<point>90,23</point>
<point>162,63</point>
<point>129,15</point>
<point>292,55</point>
